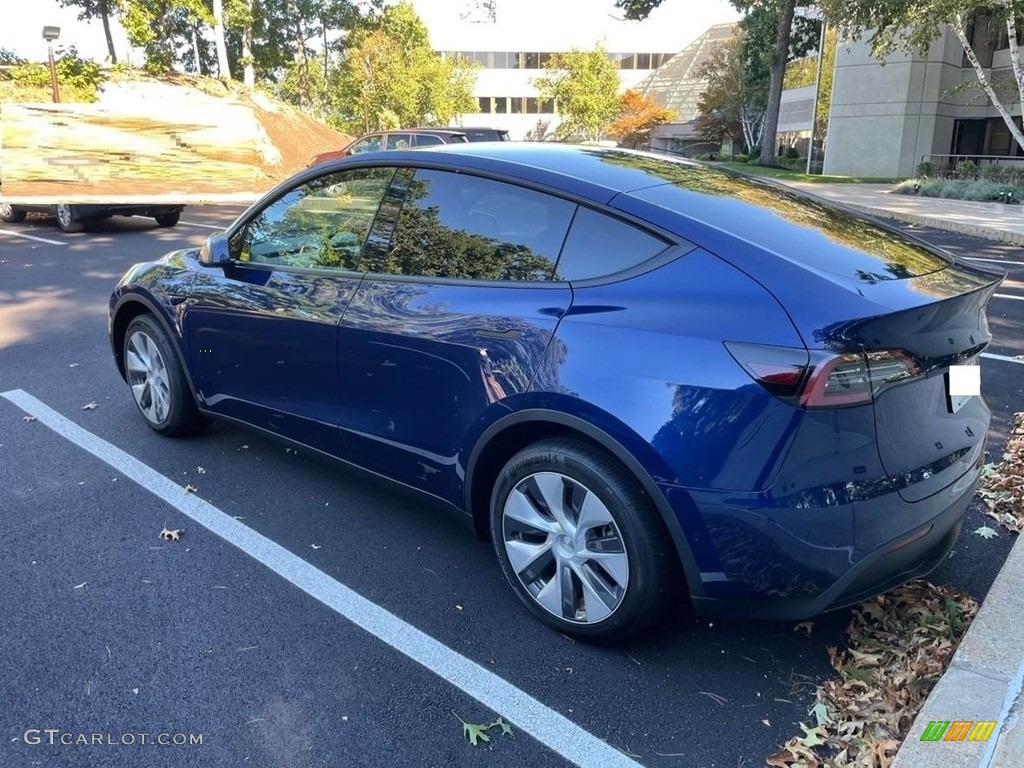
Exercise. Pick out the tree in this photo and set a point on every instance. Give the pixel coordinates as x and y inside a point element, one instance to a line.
<point>223,69</point>
<point>585,88</point>
<point>638,114</point>
<point>101,9</point>
<point>390,70</point>
<point>733,102</point>
<point>912,26</point>
<point>793,36</point>
<point>160,26</point>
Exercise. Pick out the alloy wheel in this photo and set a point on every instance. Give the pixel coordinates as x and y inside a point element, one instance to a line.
<point>64,216</point>
<point>565,548</point>
<point>147,376</point>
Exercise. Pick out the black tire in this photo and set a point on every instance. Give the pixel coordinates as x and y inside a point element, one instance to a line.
<point>181,417</point>
<point>637,533</point>
<point>66,219</point>
<point>168,219</point>
<point>10,214</point>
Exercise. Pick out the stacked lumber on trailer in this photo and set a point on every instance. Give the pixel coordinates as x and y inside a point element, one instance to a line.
<point>92,153</point>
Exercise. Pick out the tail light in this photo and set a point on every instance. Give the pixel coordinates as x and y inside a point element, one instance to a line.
<point>817,379</point>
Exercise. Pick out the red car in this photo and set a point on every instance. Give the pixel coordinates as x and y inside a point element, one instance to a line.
<point>407,138</point>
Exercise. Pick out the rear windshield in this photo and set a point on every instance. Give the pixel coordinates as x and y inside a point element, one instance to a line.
<point>801,228</point>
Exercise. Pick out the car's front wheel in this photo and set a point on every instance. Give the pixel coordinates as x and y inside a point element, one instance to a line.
<point>168,219</point>
<point>10,214</point>
<point>157,379</point>
<point>66,219</point>
<point>579,541</point>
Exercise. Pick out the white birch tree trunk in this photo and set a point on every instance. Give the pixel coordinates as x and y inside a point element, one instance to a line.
<point>959,28</point>
<point>218,33</point>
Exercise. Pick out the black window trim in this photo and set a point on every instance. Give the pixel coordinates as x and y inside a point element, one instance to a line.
<point>676,246</point>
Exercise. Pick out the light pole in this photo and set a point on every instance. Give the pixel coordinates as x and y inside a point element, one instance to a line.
<point>49,35</point>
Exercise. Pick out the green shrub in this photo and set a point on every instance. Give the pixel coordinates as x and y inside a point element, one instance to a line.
<point>79,79</point>
<point>908,187</point>
<point>791,153</point>
<point>991,172</point>
<point>968,169</point>
<point>932,188</point>
<point>925,168</point>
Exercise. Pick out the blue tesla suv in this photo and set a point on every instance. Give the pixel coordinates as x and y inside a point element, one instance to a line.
<point>645,380</point>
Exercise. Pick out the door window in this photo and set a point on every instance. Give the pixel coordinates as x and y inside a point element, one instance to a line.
<point>399,140</point>
<point>427,139</point>
<point>369,144</point>
<point>323,223</point>
<point>458,225</point>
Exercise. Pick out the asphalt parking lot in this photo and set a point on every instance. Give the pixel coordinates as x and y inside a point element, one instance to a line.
<point>232,635</point>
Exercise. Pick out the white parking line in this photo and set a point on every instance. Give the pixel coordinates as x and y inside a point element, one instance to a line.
<point>1004,358</point>
<point>547,726</point>
<point>994,261</point>
<point>197,224</point>
<point>1008,296</point>
<point>31,237</point>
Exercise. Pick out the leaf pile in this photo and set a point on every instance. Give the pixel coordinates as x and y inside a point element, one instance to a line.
<point>1002,485</point>
<point>900,644</point>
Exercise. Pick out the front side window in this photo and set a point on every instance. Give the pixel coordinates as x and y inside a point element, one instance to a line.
<point>369,144</point>
<point>462,226</point>
<point>321,224</point>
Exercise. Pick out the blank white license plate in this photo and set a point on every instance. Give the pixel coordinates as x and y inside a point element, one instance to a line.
<point>963,382</point>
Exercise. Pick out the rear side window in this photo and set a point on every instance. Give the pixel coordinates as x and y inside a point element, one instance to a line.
<point>600,245</point>
<point>457,225</point>
<point>427,139</point>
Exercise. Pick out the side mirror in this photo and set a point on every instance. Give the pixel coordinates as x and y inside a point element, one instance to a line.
<point>215,252</point>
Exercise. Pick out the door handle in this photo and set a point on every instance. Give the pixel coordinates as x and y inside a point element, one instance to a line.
<point>490,333</point>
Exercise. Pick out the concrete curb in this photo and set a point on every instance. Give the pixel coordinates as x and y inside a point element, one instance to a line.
<point>935,222</point>
<point>984,681</point>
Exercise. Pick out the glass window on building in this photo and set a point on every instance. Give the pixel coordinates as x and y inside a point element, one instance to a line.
<point>501,105</point>
<point>500,60</point>
<point>628,61</point>
<point>531,105</point>
<point>516,105</point>
<point>543,59</point>
<point>643,61</point>
<point>547,107</point>
<point>485,104</point>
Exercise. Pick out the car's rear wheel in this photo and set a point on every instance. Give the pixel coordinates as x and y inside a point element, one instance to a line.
<point>579,541</point>
<point>157,379</point>
<point>168,219</point>
<point>10,214</point>
<point>66,219</point>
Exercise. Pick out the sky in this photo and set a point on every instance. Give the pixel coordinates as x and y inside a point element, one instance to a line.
<point>670,27</point>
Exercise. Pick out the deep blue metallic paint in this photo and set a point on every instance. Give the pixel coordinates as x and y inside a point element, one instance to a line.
<point>416,378</point>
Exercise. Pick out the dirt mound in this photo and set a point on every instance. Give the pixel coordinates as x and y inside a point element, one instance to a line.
<point>179,135</point>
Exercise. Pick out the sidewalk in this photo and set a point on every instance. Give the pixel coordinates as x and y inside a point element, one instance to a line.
<point>985,680</point>
<point>991,221</point>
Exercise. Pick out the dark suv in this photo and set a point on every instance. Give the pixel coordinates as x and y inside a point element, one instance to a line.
<point>406,138</point>
<point>486,134</point>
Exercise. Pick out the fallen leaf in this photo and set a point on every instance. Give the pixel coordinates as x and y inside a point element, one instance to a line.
<point>174,535</point>
<point>28,418</point>
<point>805,627</point>
<point>475,733</point>
<point>766,723</point>
<point>821,715</point>
<point>79,586</point>
<point>315,546</point>
<point>190,489</point>
<point>986,533</point>
<point>506,729</point>
<point>812,736</point>
<point>90,406</point>
<point>200,470</point>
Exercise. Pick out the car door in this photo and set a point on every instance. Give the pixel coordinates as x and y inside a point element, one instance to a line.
<point>367,144</point>
<point>450,323</point>
<point>399,141</point>
<point>262,330</point>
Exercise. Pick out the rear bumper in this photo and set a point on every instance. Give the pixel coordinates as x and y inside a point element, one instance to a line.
<point>908,556</point>
<point>91,211</point>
